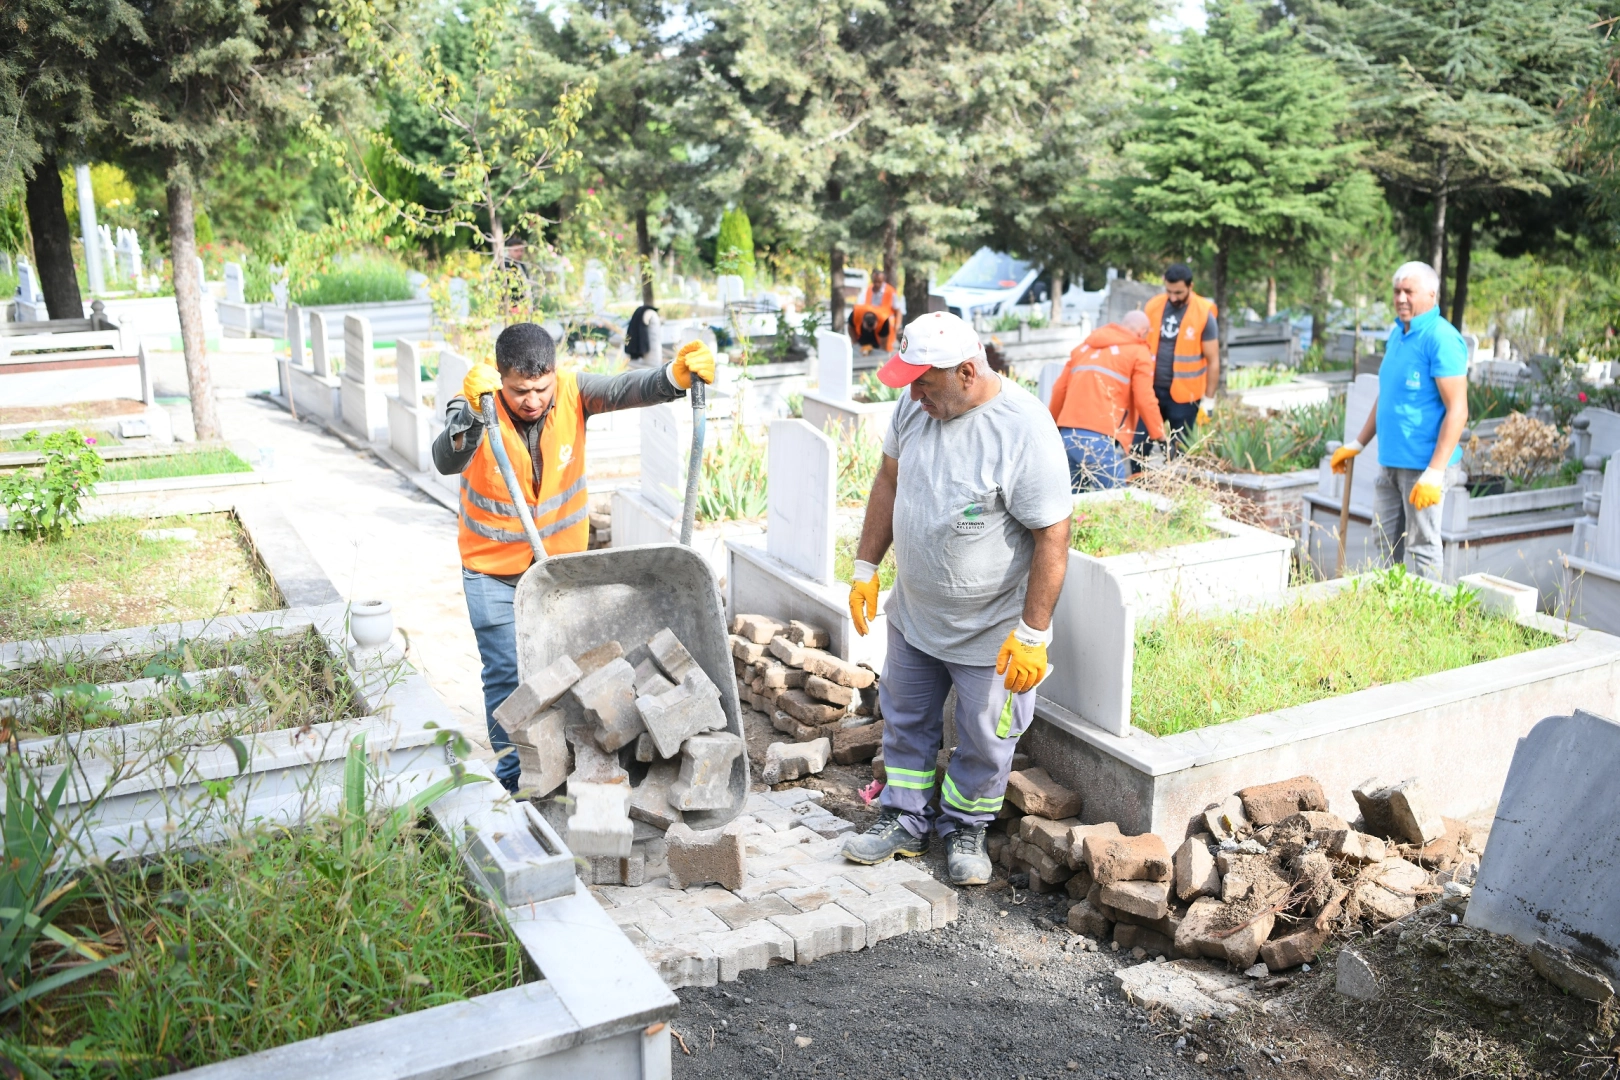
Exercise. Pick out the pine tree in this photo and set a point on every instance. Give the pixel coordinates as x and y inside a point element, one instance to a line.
<point>734,247</point>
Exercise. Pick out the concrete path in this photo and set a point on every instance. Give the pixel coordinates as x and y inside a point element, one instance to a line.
<point>377,537</point>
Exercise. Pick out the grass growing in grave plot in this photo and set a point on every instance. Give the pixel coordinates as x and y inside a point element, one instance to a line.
<point>186,463</point>
<point>1252,378</point>
<point>1126,526</point>
<point>104,576</point>
<point>279,936</point>
<point>290,680</point>
<point>844,562</point>
<point>1192,671</point>
<point>732,487</point>
<point>1253,440</point>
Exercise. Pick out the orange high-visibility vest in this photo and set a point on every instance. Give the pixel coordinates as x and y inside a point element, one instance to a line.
<point>884,299</point>
<point>491,536</point>
<point>1190,370</point>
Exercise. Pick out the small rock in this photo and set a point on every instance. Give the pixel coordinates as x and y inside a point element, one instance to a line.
<point>1570,974</point>
<point>1225,820</point>
<point>1354,977</point>
<point>802,1041</point>
<point>1454,896</point>
<point>1195,871</point>
<point>1257,971</point>
<point>1234,887</point>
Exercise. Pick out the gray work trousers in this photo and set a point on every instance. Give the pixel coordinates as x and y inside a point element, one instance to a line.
<point>1406,535</point>
<point>912,695</point>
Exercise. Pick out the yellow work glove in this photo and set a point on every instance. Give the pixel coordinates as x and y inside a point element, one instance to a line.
<point>1023,657</point>
<point>863,596</point>
<point>694,358</point>
<point>1206,409</point>
<point>1427,491</point>
<point>1344,454</point>
<point>481,379</point>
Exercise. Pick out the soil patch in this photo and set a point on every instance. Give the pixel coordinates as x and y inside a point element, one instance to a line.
<point>73,411</point>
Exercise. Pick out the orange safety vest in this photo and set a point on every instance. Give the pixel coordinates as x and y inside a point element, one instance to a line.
<point>884,299</point>
<point>491,536</point>
<point>1190,370</point>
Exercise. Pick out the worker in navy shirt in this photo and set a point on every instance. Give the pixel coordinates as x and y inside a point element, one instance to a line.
<point>1419,418</point>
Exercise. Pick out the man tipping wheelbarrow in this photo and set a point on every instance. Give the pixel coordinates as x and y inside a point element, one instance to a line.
<point>542,414</point>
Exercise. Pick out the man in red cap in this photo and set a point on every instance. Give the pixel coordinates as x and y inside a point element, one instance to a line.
<point>973,494</point>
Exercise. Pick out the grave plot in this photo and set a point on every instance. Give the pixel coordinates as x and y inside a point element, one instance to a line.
<point>1462,686</point>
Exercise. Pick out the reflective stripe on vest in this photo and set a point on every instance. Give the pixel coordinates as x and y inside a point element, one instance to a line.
<point>490,536</point>
<point>1110,372</point>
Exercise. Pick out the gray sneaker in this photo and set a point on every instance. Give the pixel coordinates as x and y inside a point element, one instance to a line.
<point>884,840</point>
<point>967,858</point>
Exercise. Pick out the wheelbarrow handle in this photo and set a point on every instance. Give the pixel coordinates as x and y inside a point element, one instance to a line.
<point>694,466</point>
<point>492,427</point>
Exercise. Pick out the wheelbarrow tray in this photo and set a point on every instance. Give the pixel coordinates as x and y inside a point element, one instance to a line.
<point>571,603</point>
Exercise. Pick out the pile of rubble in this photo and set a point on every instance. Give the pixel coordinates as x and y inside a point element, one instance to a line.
<point>827,706</point>
<point>1263,877</point>
<point>637,740</point>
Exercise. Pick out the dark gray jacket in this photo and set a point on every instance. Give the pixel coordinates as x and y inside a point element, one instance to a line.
<point>597,394</point>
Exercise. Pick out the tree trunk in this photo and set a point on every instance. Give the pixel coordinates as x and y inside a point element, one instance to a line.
<point>1223,320</point>
<point>1057,297</point>
<point>916,292</point>
<point>835,291</point>
<point>891,251</point>
<point>188,298</point>
<point>497,238</point>
<point>1437,246</point>
<point>1271,297</point>
<point>645,249</point>
<point>1465,257</point>
<point>53,242</point>
<point>1321,298</point>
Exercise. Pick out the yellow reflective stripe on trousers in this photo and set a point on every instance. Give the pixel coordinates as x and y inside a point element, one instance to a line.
<point>972,806</point>
<point>917,779</point>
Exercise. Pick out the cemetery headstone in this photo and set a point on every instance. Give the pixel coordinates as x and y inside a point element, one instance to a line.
<point>460,304</point>
<point>129,253</point>
<point>317,345</point>
<point>233,283</point>
<point>358,363</point>
<point>88,234</point>
<point>666,440</point>
<point>1047,380</point>
<point>730,288</point>
<point>835,360</point>
<point>801,481</point>
<point>27,283</point>
<point>295,335</point>
<point>418,282</point>
<point>1358,403</point>
<point>409,366</point>
<point>202,275</point>
<point>109,254</point>
<point>453,368</point>
<point>1606,544</point>
<point>278,287</point>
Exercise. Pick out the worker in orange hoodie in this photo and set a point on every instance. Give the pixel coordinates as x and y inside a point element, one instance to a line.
<point>875,320</point>
<point>1106,387</point>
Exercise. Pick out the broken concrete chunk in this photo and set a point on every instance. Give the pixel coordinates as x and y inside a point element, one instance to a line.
<point>828,691</point>
<point>1234,887</point>
<point>537,693</point>
<point>1225,820</point>
<point>1184,994</point>
<point>670,655</point>
<point>650,682</point>
<point>1144,899</point>
<point>746,651</point>
<point>1399,811</point>
<point>1297,948</point>
<point>1390,890</point>
<point>811,637</point>
<point>705,779</point>
<point>1077,840</point>
<point>794,761</point>
<point>646,749</point>
<point>592,659</point>
<point>852,745</point>
<point>607,696</point>
<point>1213,930</point>
<point>807,710</point>
<point>649,801</point>
<point>1353,976</point>
<point>542,755</point>
<point>1050,836</point>
<point>698,857</point>
<point>1355,847</point>
<point>593,765</point>
<point>1195,872</point>
<point>1128,858</point>
<point>756,628</point>
<point>600,824</point>
<point>831,668</point>
<point>676,715</point>
<point>1267,804</point>
<point>1035,792</point>
<point>1569,973</point>
<point>1087,920</point>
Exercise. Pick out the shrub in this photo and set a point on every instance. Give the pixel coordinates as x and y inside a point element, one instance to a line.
<point>734,247</point>
<point>369,280</point>
<point>1526,449</point>
<point>46,503</point>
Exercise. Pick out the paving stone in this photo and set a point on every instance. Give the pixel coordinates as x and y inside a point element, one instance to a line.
<point>893,872</point>
<point>684,962</point>
<point>814,870</point>
<point>794,761</point>
<point>593,765</point>
<point>537,693</point>
<point>763,883</point>
<point>671,656</point>
<point>1147,899</point>
<point>833,669</point>
<point>774,677</point>
<point>786,651</point>
<point>1050,870</point>
<point>1077,840</point>
<point>621,896</point>
<point>827,825</point>
<point>1267,804</point>
<point>890,912</point>
<point>853,745</point>
<point>750,948</point>
<point>650,682</point>
<point>1050,836</point>
<point>705,779</point>
<point>826,930</point>
<point>829,691</point>
<point>756,628</point>
<point>607,696</point>
<point>1297,948</point>
<point>745,650</point>
<point>1079,885</point>
<point>681,902</point>
<point>646,749</point>
<point>1569,973</point>
<point>1085,918</point>
<point>637,912</point>
<point>1353,976</point>
<point>1195,871</point>
<point>1171,988</point>
<point>1128,858</point>
<point>806,709</point>
<point>1225,820</point>
<point>943,903</point>
<point>1150,942</point>
<point>542,754</point>
<point>1357,847</point>
<point>710,855</point>
<point>740,913</point>
<point>808,635</point>
<point>591,659</point>
<point>600,824</point>
<point>1401,811</point>
<point>1034,792</point>
<point>677,715</point>
<point>610,870</point>
<point>830,891</point>
<point>649,801</point>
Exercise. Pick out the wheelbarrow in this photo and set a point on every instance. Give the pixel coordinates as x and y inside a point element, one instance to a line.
<point>567,604</point>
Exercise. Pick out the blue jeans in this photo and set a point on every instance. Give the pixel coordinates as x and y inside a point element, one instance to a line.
<point>1095,461</point>
<point>489,606</point>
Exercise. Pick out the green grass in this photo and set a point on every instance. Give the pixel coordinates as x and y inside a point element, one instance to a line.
<point>1125,525</point>
<point>732,487</point>
<point>1252,378</point>
<point>276,937</point>
<point>873,390</point>
<point>859,456</point>
<point>1193,671</point>
<point>186,463</point>
<point>368,280</point>
<point>1253,440</point>
<point>844,562</point>
<point>104,576</point>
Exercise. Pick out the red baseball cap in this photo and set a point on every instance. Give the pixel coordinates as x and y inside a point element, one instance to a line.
<point>935,340</point>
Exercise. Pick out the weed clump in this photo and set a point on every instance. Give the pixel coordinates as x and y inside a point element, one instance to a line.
<point>1125,526</point>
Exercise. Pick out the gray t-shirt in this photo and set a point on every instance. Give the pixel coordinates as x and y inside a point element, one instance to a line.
<point>969,492</point>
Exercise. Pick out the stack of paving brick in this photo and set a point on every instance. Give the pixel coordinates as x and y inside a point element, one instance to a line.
<point>642,732</point>
<point>1264,876</point>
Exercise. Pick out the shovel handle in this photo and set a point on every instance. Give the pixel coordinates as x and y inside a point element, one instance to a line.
<point>1344,513</point>
<point>492,426</point>
<point>694,466</point>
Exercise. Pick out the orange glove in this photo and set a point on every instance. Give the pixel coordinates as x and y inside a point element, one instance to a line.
<point>863,596</point>
<point>1023,657</point>
<point>1428,490</point>
<point>481,379</point>
<point>694,358</point>
<point>1344,454</point>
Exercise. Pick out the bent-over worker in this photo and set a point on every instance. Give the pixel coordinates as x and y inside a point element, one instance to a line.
<point>1185,342</point>
<point>1419,417</point>
<point>973,493</point>
<point>875,318</point>
<point>542,419</point>
<point>1106,388</point>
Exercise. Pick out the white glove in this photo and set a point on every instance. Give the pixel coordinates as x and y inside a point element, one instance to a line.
<point>1207,404</point>
<point>1028,635</point>
<point>1354,444</point>
<point>864,571</point>
<point>1433,477</point>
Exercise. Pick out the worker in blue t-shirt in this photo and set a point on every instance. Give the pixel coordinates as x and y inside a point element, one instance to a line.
<point>1419,417</point>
